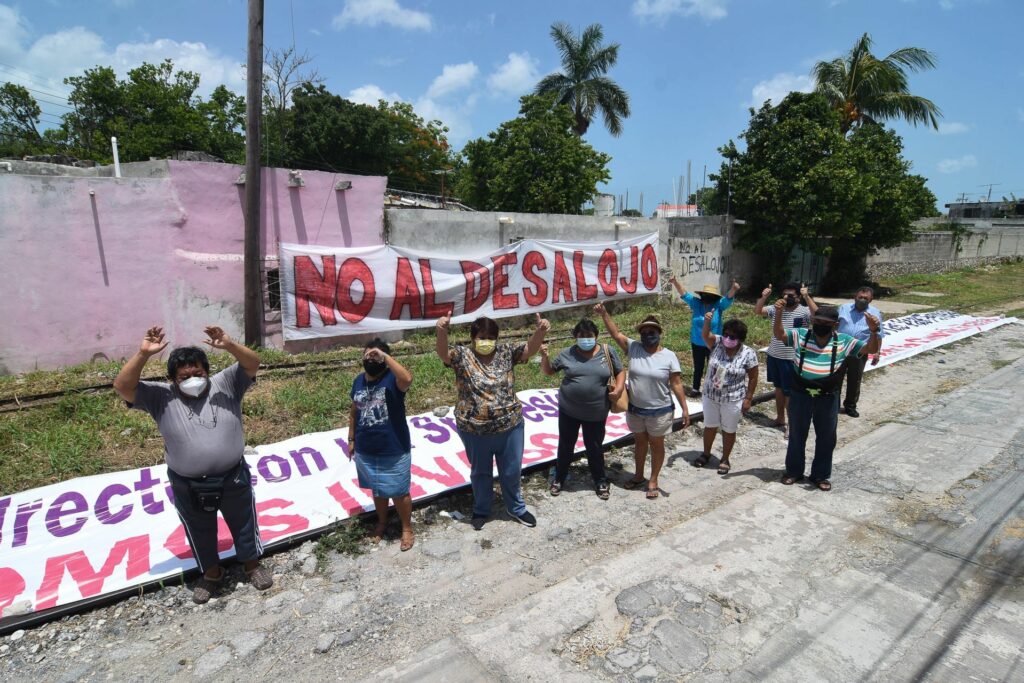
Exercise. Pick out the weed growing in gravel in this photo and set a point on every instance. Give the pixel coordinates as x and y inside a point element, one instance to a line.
<point>346,539</point>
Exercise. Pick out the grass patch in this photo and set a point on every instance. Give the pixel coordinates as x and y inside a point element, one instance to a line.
<point>999,364</point>
<point>346,539</point>
<point>971,289</point>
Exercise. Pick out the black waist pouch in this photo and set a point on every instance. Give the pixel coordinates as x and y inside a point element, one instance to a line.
<point>208,491</point>
<point>820,387</point>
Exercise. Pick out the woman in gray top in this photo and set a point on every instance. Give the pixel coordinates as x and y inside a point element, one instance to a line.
<point>654,377</point>
<point>583,401</point>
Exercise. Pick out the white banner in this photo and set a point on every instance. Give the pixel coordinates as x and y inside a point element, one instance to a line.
<point>90,536</point>
<point>328,292</point>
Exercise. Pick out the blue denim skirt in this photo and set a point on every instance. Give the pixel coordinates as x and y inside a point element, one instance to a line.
<point>387,476</point>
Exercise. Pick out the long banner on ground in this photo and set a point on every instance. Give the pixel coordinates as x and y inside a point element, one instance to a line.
<point>80,539</point>
<point>328,292</point>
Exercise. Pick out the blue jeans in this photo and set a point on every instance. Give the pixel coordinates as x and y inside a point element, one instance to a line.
<point>482,450</point>
<point>823,411</point>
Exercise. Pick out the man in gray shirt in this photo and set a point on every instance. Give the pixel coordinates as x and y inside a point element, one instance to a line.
<point>200,419</point>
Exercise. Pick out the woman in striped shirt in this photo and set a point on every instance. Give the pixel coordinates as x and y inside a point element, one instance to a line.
<point>818,369</point>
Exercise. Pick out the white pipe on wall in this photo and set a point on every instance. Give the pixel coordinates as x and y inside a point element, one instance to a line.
<point>117,161</point>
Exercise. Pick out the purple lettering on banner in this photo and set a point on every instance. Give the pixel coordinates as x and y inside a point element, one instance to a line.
<point>56,511</point>
<point>530,413</point>
<point>4,504</point>
<point>300,461</point>
<point>169,490</point>
<point>264,468</point>
<point>21,517</point>
<point>343,445</point>
<point>452,424</point>
<point>547,405</point>
<point>102,507</point>
<point>146,481</point>
<point>438,433</point>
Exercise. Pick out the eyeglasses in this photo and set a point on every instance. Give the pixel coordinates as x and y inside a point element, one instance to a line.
<point>730,336</point>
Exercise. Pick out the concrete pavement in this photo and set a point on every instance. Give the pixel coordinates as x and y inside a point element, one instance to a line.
<point>912,568</point>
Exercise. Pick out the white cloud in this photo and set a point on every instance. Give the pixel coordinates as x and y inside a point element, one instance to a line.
<point>660,11</point>
<point>778,86</point>
<point>517,75</point>
<point>371,94</point>
<point>454,77</point>
<point>378,12</point>
<point>954,165</point>
<point>953,128</point>
<point>44,62</point>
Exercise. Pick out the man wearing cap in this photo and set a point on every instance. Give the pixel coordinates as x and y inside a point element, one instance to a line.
<point>819,365</point>
<point>853,321</point>
<point>794,314</point>
<point>708,299</point>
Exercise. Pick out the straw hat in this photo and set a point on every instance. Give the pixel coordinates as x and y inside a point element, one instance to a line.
<point>649,321</point>
<point>710,289</point>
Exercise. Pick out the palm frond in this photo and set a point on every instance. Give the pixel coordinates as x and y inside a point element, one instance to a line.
<point>913,58</point>
<point>912,108</point>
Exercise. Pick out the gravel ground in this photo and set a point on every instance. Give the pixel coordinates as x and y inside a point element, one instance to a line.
<point>353,616</point>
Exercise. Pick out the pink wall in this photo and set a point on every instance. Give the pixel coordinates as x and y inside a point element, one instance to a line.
<point>85,275</point>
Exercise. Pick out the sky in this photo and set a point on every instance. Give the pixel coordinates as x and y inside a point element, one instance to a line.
<point>692,68</point>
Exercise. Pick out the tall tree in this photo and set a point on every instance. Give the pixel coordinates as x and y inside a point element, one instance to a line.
<point>534,163</point>
<point>582,84</point>
<point>19,121</point>
<point>863,88</point>
<point>284,71</point>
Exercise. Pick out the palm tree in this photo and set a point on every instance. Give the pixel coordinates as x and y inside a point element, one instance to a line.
<point>862,87</point>
<point>582,84</point>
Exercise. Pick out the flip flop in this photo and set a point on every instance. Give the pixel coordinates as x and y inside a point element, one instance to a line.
<point>723,468</point>
<point>652,494</point>
<point>634,484</point>
<point>408,540</point>
<point>824,485</point>
<point>701,461</point>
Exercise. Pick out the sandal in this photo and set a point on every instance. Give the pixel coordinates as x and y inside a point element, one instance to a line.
<point>408,540</point>
<point>652,494</point>
<point>634,484</point>
<point>555,489</point>
<point>378,533</point>
<point>701,461</point>
<point>603,490</point>
<point>724,467</point>
<point>824,485</point>
<point>206,588</point>
<point>789,480</point>
<point>260,577</point>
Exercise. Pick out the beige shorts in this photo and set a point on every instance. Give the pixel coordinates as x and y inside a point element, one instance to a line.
<point>724,415</point>
<point>653,425</point>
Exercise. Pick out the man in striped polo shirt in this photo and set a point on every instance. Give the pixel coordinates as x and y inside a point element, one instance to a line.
<point>780,355</point>
<point>819,365</point>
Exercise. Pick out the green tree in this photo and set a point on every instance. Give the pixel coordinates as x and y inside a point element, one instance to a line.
<point>224,117</point>
<point>582,84</point>
<point>863,88</point>
<point>328,132</point>
<point>802,182</point>
<point>534,163</point>
<point>19,122</point>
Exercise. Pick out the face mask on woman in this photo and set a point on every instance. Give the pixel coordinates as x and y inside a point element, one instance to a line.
<point>193,386</point>
<point>485,347</point>
<point>730,342</point>
<point>586,343</point>
<point>650,339</point>
<point>374,367</point>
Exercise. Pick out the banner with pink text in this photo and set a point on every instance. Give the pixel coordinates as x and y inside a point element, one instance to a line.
<point>328,291</point>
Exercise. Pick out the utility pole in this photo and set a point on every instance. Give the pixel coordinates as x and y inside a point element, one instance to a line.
<point>253,111</point>
<point>989,186</point>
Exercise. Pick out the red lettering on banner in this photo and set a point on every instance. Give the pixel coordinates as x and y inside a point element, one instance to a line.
<point>432,309</point>
<point>478,285</point>
<point>531,262</point>
<point>310,285</point>
<point>449,478</point>
<point>583,290</point>
<point>608,265</point>
<point>649,267</point>
<point>501,299</point>
<point>89,580</point>
<point>12,584</point>
<point>177,543</point>
<point>345,499</point>
<point>407,292</point>
<point>629,286</point>
<point>562,284</point>
<point>292,524</point>
<point>355,270</point>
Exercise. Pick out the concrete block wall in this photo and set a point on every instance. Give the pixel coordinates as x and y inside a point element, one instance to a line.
<point>987,242</point>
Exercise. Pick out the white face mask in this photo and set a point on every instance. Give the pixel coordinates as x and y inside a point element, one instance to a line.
<point>193,386</point>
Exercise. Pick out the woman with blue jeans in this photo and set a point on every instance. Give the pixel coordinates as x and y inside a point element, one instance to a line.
<point>378,436</point>
<point>488,414</point>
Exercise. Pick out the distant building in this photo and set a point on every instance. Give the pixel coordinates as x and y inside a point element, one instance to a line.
<point>1003,209</point>
<point>676,210</point>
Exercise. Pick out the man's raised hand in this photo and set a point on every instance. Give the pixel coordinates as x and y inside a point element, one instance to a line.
<point>218,339</point>
<point>543,324</point>
<point>154,342</point>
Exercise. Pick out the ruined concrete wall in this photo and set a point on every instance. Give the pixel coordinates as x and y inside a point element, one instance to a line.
<point>986,242</point>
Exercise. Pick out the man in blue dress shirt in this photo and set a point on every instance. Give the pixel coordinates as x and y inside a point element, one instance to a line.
<point>853,323</point>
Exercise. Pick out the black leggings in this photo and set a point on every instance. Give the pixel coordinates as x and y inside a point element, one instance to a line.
<point>700,357</point>
<point>593,438</point>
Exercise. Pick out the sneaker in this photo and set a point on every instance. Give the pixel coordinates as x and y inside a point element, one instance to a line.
<point>478,522</point>
<point>526,519</point>
<point>852,412</point>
